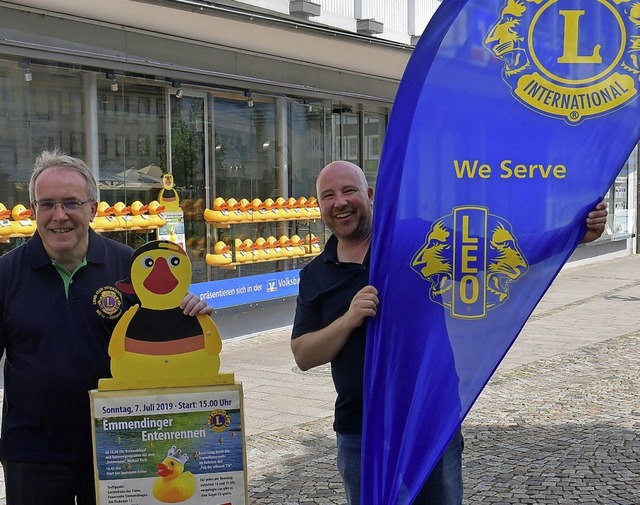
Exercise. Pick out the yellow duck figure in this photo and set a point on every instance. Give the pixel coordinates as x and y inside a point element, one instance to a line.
<point>155,214</point>
<point>174,485</point>
<point>314,208</point>
<point>312,244</point>
<point>271,210</point>
<point>22,224</point>
<point>155,344</point>
<point>284,212</point>
<point>251,249</point>
<point>122,212</point>
<point>304,208</point>
<point>273,248</point>
<point>259,248</point>
<point>168,196</point>
<point>220,212</point>
<point>220,256</point>
<point>104,219</point>
<point>298,245</point>
<point>267,248</point>
<point>235,212</point>
<point>139,216</point>
<point>258,211</point>
<point>246,209</point>
<point>5,223</point>
<point>294,208</point>
<point>242,256</point>
<point>286,247</point>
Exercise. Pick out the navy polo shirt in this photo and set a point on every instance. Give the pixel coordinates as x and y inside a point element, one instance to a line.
<point>56,347</point>
<point>325,293</point>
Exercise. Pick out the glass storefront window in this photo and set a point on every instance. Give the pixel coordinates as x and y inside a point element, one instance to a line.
<point>189,166</point>
<point>345,134</point>
<point>45,112</point>
<point>235,145</point>
<point>308,146</point>
<point>266,149</point>
<point>130,144</point>
<point>245,147</point>
<point>375,126</point>
<point>620,197</point>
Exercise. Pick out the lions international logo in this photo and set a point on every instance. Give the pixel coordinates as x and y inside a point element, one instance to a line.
<point>470,257</point>
<point>108,302</point>
<point>218,420</point>
<point>570,59</point>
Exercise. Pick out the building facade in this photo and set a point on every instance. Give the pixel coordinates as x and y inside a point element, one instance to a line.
<point>242,102</point>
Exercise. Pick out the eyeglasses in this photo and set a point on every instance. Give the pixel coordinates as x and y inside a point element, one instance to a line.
<point>68,206</point>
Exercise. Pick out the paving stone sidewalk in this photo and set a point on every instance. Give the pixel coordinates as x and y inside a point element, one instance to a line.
<point>562,430</point>
<point>557,424</point>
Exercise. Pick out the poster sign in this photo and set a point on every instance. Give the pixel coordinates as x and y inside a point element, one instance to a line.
<point>169,445</point>
<point>173,230</point>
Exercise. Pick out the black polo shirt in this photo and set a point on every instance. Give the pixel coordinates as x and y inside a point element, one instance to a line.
<point>325,293</point>
<point>56,347</point>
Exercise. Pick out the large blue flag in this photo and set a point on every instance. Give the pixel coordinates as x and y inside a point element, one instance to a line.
<point>511,122</point>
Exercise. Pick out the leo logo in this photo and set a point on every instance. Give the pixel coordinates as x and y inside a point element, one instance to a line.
<point>470,257</point>
<point>569,59</point>
<point>108,301</point>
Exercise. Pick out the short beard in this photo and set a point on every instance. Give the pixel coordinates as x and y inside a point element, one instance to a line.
<point>362,231</point>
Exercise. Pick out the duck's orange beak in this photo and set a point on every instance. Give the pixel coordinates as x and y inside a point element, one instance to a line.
<point>164,470</point>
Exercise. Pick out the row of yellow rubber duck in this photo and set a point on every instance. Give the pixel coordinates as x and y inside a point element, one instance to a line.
<point>136,216</point>
<point>243,210</point>
<point>263,249</point>
<point>16,222</point>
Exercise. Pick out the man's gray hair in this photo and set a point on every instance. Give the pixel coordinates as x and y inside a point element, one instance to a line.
<point>56,158</point>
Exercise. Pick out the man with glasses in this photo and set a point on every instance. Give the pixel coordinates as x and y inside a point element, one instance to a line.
<point>58,308</point>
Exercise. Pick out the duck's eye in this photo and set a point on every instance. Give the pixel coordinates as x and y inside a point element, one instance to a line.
<point>147,262</point>
<point>174,261</point>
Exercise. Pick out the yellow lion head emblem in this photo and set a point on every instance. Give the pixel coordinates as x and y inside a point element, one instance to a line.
<point>507,40</point>
<point>505,262</point>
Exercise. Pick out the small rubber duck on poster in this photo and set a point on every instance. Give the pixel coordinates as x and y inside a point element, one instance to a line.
<point>174,484</point>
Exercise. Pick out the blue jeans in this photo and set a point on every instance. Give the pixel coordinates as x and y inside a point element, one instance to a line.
<point>443,487</point>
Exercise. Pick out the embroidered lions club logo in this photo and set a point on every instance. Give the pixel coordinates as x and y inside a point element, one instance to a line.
<point>108,302</point>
